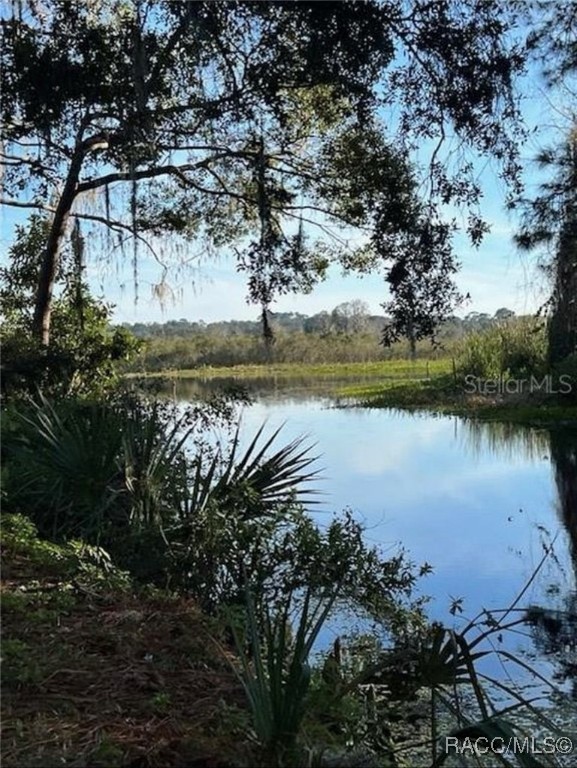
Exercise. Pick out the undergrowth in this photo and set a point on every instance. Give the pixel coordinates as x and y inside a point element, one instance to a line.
<point>99,673</point>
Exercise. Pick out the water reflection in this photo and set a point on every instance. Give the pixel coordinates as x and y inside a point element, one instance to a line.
<point>279,389</point>
<point>554,625</point>
<point>475,499</point>
<point>564,459</point>
<point>513,444</point>
<point>504,439</point>
<point>558,444</point>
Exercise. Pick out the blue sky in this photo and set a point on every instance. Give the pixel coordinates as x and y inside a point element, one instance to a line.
<point>495,274</point>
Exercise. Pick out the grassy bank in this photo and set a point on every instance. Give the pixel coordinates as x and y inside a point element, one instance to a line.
<point>387,369</point>
<point>427,385</point>
<point>97,673</point>
<point>440,394</point>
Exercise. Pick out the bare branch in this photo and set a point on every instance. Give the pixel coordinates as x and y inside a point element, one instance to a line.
<point>21,204</point>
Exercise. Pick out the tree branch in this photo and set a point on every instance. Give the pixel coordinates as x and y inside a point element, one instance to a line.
<point>149,173</point>
<point>171,44</point>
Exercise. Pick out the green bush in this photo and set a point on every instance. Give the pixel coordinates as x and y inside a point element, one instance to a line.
<point>80,361</point>
<point>514,348</point>
<point>85,563</point>
<point>138,480</point>
<point>276,674</point>
<point>84,350</point>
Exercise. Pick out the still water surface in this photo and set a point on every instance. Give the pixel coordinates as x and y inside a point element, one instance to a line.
<point>474,500</point>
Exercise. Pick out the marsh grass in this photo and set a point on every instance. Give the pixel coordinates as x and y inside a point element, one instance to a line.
<point>397,369</point>
<point>442,395</point>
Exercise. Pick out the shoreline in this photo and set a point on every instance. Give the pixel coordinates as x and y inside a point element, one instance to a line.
<point>422,385</point>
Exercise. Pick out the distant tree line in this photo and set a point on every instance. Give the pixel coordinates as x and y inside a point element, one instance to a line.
<point>348,333</point>
<point>350,317</point>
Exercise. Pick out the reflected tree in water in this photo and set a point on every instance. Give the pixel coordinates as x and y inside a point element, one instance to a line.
<point>554,627</point>
<point>564,460</point>
<point>555,631</point>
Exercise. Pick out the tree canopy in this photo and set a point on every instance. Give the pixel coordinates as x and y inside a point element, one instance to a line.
<point>549,216</point>
<point>281,130</point>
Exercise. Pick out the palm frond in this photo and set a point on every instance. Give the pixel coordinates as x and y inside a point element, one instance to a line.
<point>272,479</point>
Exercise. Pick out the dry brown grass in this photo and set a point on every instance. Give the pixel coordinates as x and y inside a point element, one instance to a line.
<point>101,678</point>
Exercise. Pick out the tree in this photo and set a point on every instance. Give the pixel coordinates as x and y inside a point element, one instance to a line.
<point>563,323</point>
<point>502,315</point>
<point>81,360</point>
<point>319,323</point>
<point>421,282</point>
<point>550,218</point>
<point>350,316</point>
<point>250,122</point>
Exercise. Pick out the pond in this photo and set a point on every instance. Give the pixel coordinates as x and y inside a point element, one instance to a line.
<point>478,501</point>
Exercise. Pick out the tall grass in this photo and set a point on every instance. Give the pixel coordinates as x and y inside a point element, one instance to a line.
<point>513,348</point>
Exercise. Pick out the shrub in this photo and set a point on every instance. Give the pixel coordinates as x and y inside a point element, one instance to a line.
<point>140,481</point>
<point>84,349</point>
<point>514,348</point>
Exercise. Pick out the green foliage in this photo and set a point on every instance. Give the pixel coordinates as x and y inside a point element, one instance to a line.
<point>85,563</point>
<point>350,317</point>
<point>20,664</point>
<point>394,703</point>
<point>276,674</point>
<point>138,480</point>
<point>549,218</point>
<point>94,470</point>
<point>514,348</point>
<point>345,335</point>
<point>161,703</point>
<point>215,350</point>
<point>85,349</point>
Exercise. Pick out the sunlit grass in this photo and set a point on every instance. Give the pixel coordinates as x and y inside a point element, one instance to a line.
<point>398,369</point>
<point>440,394</point>
<point>429,385</point>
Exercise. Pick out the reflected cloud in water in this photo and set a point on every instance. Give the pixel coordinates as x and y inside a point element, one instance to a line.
<point>471,498</point>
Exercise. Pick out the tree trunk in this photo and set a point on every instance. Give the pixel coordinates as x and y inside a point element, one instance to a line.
<point>564,459</point>
<point>412,340</point>
<point>51,255</point>
<point>563,324</point>
<point>268,335</point>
